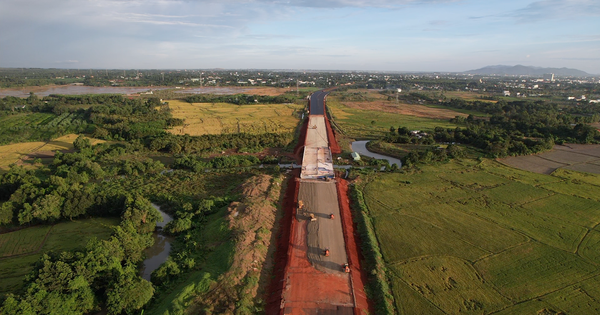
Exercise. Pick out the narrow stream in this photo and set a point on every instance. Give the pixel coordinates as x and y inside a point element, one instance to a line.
<point>159,252</point>
<point>361,148</point>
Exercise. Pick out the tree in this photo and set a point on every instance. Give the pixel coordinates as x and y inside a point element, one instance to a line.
<point>128,292</point>
<point>6,213</point>
<point>81,143</point>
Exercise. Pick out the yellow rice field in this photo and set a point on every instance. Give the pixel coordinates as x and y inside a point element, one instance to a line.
<point>218,118</point>
<point>13,153</point>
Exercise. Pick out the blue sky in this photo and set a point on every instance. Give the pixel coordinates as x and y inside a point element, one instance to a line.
<point>394,35</point>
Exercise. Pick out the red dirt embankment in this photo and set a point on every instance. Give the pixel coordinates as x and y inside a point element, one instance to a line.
<point>298,150</point>
<point>359,279</point>
<point>284,246</point>
<point>333,144</point>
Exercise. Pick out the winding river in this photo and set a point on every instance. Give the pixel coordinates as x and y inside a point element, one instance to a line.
<point>159,252</point>
<point>361,148</point>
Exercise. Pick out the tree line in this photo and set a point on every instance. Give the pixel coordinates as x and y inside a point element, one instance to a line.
<point>240,99</point>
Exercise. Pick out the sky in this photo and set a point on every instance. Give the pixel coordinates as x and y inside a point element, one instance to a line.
<point>376,35</point>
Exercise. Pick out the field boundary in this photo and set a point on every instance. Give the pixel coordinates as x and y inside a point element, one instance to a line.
<point>34,251</point>
<point>378,283</point>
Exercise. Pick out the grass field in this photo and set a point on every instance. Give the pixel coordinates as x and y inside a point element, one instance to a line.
<point>63,236</point>
<point>374,118</point>
<point>13,153</point>
<point>217,118</point>
<point>24,241</point>
<point>475,237</point>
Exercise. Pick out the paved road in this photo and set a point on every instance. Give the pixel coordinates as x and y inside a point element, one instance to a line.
<point>320,198</point>
<point>317,99</point>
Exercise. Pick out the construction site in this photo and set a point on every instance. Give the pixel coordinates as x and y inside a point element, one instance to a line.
<point>318,269</point>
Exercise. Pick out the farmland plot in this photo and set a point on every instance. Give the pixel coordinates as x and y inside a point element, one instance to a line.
<point>12,153</point>
<point>358,121</point>
<point>485,238</point>
<point>451,284</point>
<point>217,118</point>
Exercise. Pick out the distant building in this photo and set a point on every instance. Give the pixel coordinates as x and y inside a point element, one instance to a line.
<point>549,77</point>
<point>506,93</point>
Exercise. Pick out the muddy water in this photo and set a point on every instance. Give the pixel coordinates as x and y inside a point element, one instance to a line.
<point>79,90</point>
<point>159,252</point>
<point>361,148</point>
<point>214,90</point>
<point>75,90</point>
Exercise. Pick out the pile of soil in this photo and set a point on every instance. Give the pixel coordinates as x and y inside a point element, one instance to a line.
<point>251,221</point>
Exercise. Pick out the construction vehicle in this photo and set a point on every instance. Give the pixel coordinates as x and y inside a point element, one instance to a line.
<point>312,217</point>
<point>346,268</point>
<point>326,253</point>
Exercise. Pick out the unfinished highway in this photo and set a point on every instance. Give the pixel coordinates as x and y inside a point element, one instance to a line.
<point>315,279</point>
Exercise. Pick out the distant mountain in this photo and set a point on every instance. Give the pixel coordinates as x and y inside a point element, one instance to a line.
<point>526,70</point>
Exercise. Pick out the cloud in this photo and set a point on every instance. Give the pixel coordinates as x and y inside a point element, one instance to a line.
<point>557,9</point>
<point>353,3</point>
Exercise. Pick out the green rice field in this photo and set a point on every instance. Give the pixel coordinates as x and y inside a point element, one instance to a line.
<point>478,237</point>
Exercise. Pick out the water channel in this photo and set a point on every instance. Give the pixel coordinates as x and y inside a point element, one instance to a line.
<point>361,148</point>
<point>159,252</point>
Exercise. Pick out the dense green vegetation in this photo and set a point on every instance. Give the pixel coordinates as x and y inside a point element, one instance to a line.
<point>113,117</point>
<point>22,248</point>
<point>116,180</point>
<point>517,128</point>
<point>479,237</point>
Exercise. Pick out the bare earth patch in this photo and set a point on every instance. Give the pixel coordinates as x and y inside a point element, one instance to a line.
<point>252,221</point>
<point>405,109</point>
